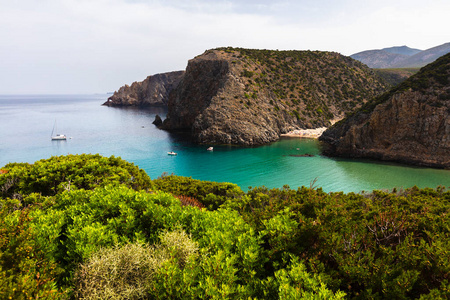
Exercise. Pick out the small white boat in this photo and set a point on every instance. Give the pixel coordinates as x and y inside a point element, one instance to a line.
<point>171,153</point>
<point>57,136</point>
<point>210,149</point>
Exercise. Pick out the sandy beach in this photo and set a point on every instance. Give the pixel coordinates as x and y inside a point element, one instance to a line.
<point>309,133</point>
<point>306,133</point>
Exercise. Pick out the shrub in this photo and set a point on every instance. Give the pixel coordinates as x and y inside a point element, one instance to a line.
<point>247,73</point>
<point>59,173</point>
<point>132,271</point>
<point>296,283</point>
<point>210,194</point>
<point>25,270</point>
<point>122,272</point>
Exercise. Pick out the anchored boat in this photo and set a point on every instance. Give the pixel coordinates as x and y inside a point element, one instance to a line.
<point>55,135</point>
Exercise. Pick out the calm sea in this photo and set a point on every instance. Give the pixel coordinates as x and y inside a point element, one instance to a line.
<point>26,124</point>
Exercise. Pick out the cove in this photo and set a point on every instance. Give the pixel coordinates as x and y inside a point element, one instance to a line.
<point>26,123</point>
<point>284,163</point>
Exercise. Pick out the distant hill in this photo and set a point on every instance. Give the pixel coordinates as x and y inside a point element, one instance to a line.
<point>400,57</point>
<point>423,58</point>
<point>403,50</point>
<point>379,59</point>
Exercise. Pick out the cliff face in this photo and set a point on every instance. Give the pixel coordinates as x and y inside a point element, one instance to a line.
<point>153,91</point>
<point>410,124</point>
<point>250,97</point>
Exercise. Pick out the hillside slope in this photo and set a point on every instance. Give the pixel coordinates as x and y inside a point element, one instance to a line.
<point>250,97</point>
<point>424,57</point>
<point>396,76</point>
<point>379,59</point>
<point>409,124</point>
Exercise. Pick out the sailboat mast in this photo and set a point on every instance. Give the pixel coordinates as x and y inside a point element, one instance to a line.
<point>54,126</point>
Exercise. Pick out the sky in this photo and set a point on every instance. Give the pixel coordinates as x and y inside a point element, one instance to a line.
<point>96,46</point>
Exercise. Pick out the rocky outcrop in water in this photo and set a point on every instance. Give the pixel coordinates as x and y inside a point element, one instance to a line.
<point>250,97</point>
<point>409,124</point>
<point>153,91</point>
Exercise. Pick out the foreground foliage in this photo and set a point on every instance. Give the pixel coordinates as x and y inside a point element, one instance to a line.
<point>68,230</point>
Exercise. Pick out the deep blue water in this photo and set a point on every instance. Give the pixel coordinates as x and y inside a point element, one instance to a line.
<point>26,124</point>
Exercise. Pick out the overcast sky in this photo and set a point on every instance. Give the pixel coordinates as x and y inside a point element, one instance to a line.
<point>96,46</point>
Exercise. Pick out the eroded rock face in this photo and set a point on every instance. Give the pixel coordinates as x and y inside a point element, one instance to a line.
<point>411,126</point>
<point>227,97</point>
<point>153,91</point>
<point>207,102</point>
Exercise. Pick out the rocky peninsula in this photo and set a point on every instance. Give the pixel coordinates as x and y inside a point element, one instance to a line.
<point>153,91</point>
<point>252,97</point>
<point>409,124</point>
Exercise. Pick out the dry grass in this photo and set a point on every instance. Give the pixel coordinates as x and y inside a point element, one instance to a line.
<point>189,201</point>
<point>126,271</point>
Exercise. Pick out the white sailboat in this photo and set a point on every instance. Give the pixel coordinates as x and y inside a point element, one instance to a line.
<point>55,135</point>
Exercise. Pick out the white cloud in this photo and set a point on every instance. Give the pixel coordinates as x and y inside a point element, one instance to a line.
<point>70,46</point>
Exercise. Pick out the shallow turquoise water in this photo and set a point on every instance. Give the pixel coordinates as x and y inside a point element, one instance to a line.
<point>26,123</point>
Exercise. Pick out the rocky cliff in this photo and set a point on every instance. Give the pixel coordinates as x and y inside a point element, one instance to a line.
<point>153,91</point>
<point>409,124</point>
<point>250,97</point>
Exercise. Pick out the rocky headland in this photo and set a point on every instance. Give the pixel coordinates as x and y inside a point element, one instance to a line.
<point>251,97</point>
<point>409,124</point>
<point>153,91</point>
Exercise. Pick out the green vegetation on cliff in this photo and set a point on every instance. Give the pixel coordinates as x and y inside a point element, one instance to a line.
<point>251,97</point>
<point>408,124</point>
<point>429,80</point>
<point>310,85</point>
<point>396,76</point>
<point>98,236</point>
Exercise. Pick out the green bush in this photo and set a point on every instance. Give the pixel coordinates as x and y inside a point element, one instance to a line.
<point>132,271</point>
<point>59,173</point>
<point>264,244</point>
<point>210,194</point>
<point>296,283</point>
<point>26,271</point>
<point>379,246</point>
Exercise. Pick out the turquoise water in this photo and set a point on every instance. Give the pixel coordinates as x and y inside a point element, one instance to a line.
<point>26,123</point>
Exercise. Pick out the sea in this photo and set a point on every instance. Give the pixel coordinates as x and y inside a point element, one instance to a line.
<point>27,121</point>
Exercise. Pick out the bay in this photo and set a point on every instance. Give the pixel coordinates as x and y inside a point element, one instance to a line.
<point>26,122</point>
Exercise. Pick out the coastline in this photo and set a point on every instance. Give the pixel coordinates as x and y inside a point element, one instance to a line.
<point>309,133</point>
<point>306,133</point>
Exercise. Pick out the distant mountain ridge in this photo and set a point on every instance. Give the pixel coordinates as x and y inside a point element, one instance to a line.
<point>403,50</point>
<point>401,56</point>
<point>379,59</point>
<point>425,57</point>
